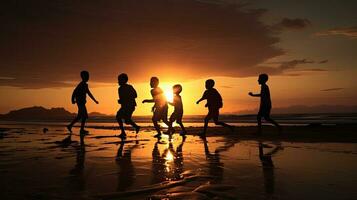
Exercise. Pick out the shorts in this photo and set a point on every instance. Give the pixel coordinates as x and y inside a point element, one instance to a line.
<point>213,113</point>
<point>82,111</point>
<point>176,116</point>
<point>125,113</point>
<point>160,114</point>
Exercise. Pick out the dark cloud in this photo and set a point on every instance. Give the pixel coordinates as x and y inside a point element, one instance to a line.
<point>350,32</point>
<point>291,67</point>
<point>46,43</point>
<point>293,24</point>
<point>293,63</point>
<point>323,61</point>
<point>332,89</point>
<point>226,86</point>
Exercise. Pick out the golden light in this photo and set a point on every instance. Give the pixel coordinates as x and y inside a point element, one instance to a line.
<point>169,157</point>
<point>169,95</point>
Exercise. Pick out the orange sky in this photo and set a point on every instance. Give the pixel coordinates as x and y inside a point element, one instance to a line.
<point>307,47</point>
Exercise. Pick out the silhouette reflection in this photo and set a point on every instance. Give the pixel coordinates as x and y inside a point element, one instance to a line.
<point>167,166</point>
<point>215,166</point>
<point>268,167</point>
<point>126,173</point>
<point>77,178</point>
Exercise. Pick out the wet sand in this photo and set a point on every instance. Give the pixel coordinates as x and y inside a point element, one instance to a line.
<point>301,163</point>
<point>303,133</point>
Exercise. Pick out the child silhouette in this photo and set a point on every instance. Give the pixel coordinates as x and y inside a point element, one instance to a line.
<point>178,110</point>
<point>214,103</point>
<point>160,107</point>
<point>127,96</point>
<point>265,102</point>
<point>79,96</point>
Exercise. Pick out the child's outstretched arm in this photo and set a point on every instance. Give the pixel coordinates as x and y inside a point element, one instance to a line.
<point>92,97</point>
<point>254,95</point>
<point>204,96</point>
<point>148,101</point>
<point>201,99</point>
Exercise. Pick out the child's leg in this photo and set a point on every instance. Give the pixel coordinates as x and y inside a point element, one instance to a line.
<point>83,123</point>
<point>83,114</point>
<point>207,118</point>
<point>169,127</point>
<point>155,119</point>
<point>268,119</point>
<point>217,122</point>
<point>157,127</point>
<point>75,120</point>
<point>132,123</point>
<point>121,125</point>
<point>182,127</point>
<point>259,121</point>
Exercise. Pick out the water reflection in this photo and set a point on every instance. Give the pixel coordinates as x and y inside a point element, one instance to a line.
<point>215,165</point>
<point>268,167</point>
<point>126,173</point>
<point>77,176</point>
<point>167,166</point>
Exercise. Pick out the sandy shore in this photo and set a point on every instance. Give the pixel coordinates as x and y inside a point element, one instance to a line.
<point>310,133</point>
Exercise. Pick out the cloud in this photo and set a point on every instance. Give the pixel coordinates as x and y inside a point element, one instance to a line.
<point>332,89</point>
<point>293,63</point>
<point>291,67</point>
<point>293,24</point>
<point>323,61</point>
<point>350,32</point>
<point>47,43</point>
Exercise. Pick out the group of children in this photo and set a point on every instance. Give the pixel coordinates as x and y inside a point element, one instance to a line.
<point>127,96</point>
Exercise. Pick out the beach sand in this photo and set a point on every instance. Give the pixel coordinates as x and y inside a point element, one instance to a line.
<point>303,162</point>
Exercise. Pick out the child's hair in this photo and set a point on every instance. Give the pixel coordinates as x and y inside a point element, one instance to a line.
<point>209,83</point>
<point>177,88</point>
<point>154,81</point>
<point>123,78</point>
<point>263,77</point>
<point>84,75</point>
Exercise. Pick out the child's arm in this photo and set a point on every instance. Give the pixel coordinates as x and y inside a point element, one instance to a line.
<point>92,97</point>
<point>201,99</point>
<point>171,103</point>
<point>148,101</point>
<point>254,95</point>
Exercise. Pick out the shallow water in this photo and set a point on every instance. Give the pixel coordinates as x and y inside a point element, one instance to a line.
<point>38,165</point>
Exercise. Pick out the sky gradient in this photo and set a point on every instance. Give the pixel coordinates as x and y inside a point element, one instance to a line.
<point>307,48</point>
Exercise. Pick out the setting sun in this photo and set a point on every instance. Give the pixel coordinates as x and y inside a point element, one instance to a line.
<point>167,88</point>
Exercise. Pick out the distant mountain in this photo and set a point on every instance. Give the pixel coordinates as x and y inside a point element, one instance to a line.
<point>40,113</point>
<point>301,109</point>
<point>37,113</point>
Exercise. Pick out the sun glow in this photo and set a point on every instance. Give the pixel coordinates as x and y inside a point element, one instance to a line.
<point>167,88</point>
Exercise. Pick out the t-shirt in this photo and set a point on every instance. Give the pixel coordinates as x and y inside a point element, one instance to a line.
<point>127,95</point>
<point>159,97</point>
<point>80,92</point>
<point>214,99</point>
<point>265,101</point>
<point>177,101</point>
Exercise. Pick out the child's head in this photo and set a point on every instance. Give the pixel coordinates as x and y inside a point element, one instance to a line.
<point>209,83</point>
<point>263,78</point>
<point>177,89</point>
<point>85,76</point>
<point>122,79</point>
<point>154,82</point>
